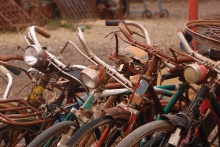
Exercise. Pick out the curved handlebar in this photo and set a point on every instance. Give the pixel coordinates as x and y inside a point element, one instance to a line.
<point>5,58</point>
<point>10,81</point>
<point>56,62</point>
<point>10,57</point>
<point>40,31</point>
<point>121,79</point>
<point>207,62</point>
<point>147,47</point>
<point>44,33</point>
<point>131,23</point>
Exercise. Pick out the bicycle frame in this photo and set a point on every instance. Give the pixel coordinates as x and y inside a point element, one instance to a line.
<point>192,118</point>
<point>145,83</point>
<point>25,109</point>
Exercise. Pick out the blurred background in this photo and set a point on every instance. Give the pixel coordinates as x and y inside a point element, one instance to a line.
<point>15,14</point>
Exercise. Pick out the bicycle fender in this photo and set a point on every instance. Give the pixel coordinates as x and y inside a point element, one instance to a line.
<point>176,120</point>
<point>119,114</point>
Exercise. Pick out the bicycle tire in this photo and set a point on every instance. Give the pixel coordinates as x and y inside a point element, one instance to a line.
<point>9,135</point>
<point>147,14</point>
<point>147,130</point>
<point>94,127</point>
<point>164,13</point>
<point>205,32</point>
<point>52,132</point>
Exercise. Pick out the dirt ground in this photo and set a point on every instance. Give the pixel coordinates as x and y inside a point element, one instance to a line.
<point>162,31</point>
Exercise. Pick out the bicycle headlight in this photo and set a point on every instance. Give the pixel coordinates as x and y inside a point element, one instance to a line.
<point>93,76</point>
<point>35,56</point>
<point>195,73</point>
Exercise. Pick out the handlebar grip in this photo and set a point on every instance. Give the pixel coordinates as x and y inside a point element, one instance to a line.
<point>113,22</point>
<point>42,32</point>
<point>169,76</point>
<point>3,69</point>
<point>83,28</point>
<point>13,70</point>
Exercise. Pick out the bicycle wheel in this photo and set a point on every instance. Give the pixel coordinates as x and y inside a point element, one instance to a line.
<point>52,135</point>
<point>11,136</point>
<point>205,32</point>
<point>157,133</point>
<point>147,14</point>
<point>164,13</point>
<point>91,133</point>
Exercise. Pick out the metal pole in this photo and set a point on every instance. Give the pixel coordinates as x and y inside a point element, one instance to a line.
<point>193,9</point>
<point>193,15</point>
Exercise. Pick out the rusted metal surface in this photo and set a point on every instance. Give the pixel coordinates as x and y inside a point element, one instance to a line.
<point>12,16</point>
<point>13,110</point>
<point>77,9</point>
<point>113,86</point>
<point>11,57</point>
<point>205,31</point>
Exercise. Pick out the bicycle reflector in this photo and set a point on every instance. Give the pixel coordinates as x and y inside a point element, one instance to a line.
<point>35,56</point>
<point>93,76</point>
<point>195,73</point>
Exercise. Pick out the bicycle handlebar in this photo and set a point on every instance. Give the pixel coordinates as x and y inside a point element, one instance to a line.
<point>10,81</point>
<point>14,70</point>
<point>113,22</point>
<point>159,53</point>
<point>131,23</point>
<point>56,62</point>
<point>5,58</point>
<point>117,76</point>
<point>168,76</point>
<point>32,32</point>
<point>40,31</point>
<point>211,64</point>
<point>147,46</point>
<point>10,57</point>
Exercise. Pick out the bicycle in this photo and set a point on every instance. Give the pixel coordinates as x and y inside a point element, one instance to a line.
<point>92,82</point>
<point>194,126</point>
<point>122,117</point>
<point>25,119</point>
